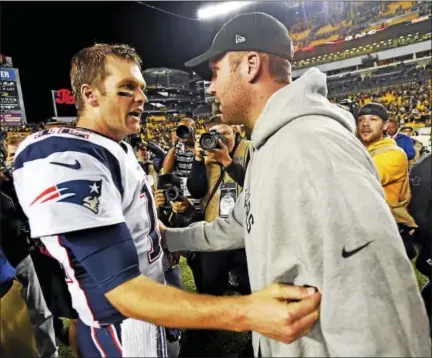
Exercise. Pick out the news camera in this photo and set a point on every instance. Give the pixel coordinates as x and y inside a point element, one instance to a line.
<point>210,141</point>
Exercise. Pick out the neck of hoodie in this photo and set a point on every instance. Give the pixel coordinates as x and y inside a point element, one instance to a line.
<point>259,100</point>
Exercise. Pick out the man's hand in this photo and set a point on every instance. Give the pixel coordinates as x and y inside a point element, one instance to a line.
<point>220,155</point>
<point>180,207</point>
<point>172,257</point>
<point>159,198</point>
<point>283,312</point>
<point>198,152</point>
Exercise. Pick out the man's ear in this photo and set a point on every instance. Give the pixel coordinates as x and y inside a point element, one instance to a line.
<point>89,95</point>
<point>254,66</point>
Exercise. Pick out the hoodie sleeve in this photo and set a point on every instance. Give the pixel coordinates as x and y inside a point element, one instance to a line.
<point>220,234</point>
<point>352,249</point>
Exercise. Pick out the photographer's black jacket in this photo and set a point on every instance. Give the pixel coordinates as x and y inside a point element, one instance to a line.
<point>197,181</point>
<point>12,222</point>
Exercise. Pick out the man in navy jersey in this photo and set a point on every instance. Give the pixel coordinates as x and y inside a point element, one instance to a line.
<point>88,200</point>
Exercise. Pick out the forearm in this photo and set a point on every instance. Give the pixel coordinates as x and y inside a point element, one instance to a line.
<point>168,164</point>
<point>221,234</point>
<point>147,300</point>
<point>236,172</point>
<point>156,150</point>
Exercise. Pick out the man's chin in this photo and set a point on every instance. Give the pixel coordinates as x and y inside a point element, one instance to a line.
<point>134,128</point>
<point>228,120</point>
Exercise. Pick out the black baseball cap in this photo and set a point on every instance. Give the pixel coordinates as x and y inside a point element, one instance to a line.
<point>255,31</point>
<point>374,109</point>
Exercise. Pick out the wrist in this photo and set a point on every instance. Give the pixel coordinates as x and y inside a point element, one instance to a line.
<point>238,319</point>
<point>226,162</point>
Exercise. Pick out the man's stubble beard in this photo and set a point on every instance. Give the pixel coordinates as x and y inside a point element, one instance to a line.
<point>374,139</point>
<point>241,101</point>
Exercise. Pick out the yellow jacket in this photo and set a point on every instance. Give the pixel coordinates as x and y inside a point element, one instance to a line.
<point>392,165</point>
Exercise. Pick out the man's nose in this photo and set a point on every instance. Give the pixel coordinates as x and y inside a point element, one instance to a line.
<point>211,89</point>
<point>141,97</point>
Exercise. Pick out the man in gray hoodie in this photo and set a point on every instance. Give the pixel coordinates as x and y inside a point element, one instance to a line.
<point>313,211</point>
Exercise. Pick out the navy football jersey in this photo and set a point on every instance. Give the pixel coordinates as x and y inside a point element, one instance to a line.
<point>74,179</point>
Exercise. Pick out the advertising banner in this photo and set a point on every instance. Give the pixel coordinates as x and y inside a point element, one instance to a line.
<point>11,119</point>
<point>63,103</point>
<point>11,98</point>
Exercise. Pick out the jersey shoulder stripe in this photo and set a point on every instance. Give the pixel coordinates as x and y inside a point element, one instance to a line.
<point>46,147</point>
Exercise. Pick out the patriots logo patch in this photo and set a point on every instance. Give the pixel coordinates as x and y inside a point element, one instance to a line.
<point>85,193</point>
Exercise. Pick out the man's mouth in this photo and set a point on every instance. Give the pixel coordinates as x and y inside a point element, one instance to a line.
<point>136,114</point>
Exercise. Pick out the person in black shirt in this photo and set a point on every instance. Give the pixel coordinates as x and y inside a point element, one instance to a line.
<point>15,243</point>
<point>420,207</point>
<point>217,180</point>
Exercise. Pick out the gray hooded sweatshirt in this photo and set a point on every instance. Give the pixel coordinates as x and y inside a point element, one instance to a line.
<point>313,212</point>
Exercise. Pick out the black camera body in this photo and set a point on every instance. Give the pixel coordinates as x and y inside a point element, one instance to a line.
<point>171,185</point>
<point>209,141</point>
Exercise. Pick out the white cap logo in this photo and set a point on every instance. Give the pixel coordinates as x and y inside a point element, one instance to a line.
<point>239,39</point>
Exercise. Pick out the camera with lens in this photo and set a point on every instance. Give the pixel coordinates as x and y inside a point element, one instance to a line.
<point>184,132</point>
<point>171,185</point>
<point>210,141</point>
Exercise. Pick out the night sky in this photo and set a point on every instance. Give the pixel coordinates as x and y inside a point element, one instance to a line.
<point>42,37</point>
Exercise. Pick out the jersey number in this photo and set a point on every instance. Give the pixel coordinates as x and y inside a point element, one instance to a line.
<point>154,237</point>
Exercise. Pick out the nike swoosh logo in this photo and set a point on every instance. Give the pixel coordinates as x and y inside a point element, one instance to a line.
<point>347,254</point>
<point>74,166</point>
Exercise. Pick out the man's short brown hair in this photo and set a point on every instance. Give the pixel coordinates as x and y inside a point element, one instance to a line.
<point>214,120</point>
<point>280,69</point>
<point>88,66</point>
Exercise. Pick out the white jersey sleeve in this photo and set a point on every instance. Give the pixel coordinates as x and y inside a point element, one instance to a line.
<point>67,184</point>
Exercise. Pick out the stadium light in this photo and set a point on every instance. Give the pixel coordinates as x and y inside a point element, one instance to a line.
<point>223,8</point>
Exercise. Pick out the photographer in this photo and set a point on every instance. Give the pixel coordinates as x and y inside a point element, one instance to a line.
<point>15,243</point>
<point>142,149</point>
<point>148,165</point>
<point>217,181</point>
<point>174,210</point>
<point>216,178</point>
<point>180,157</point>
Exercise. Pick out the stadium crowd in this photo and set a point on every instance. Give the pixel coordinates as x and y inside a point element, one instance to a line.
<point>195,170</point>
<point>336,21</point>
